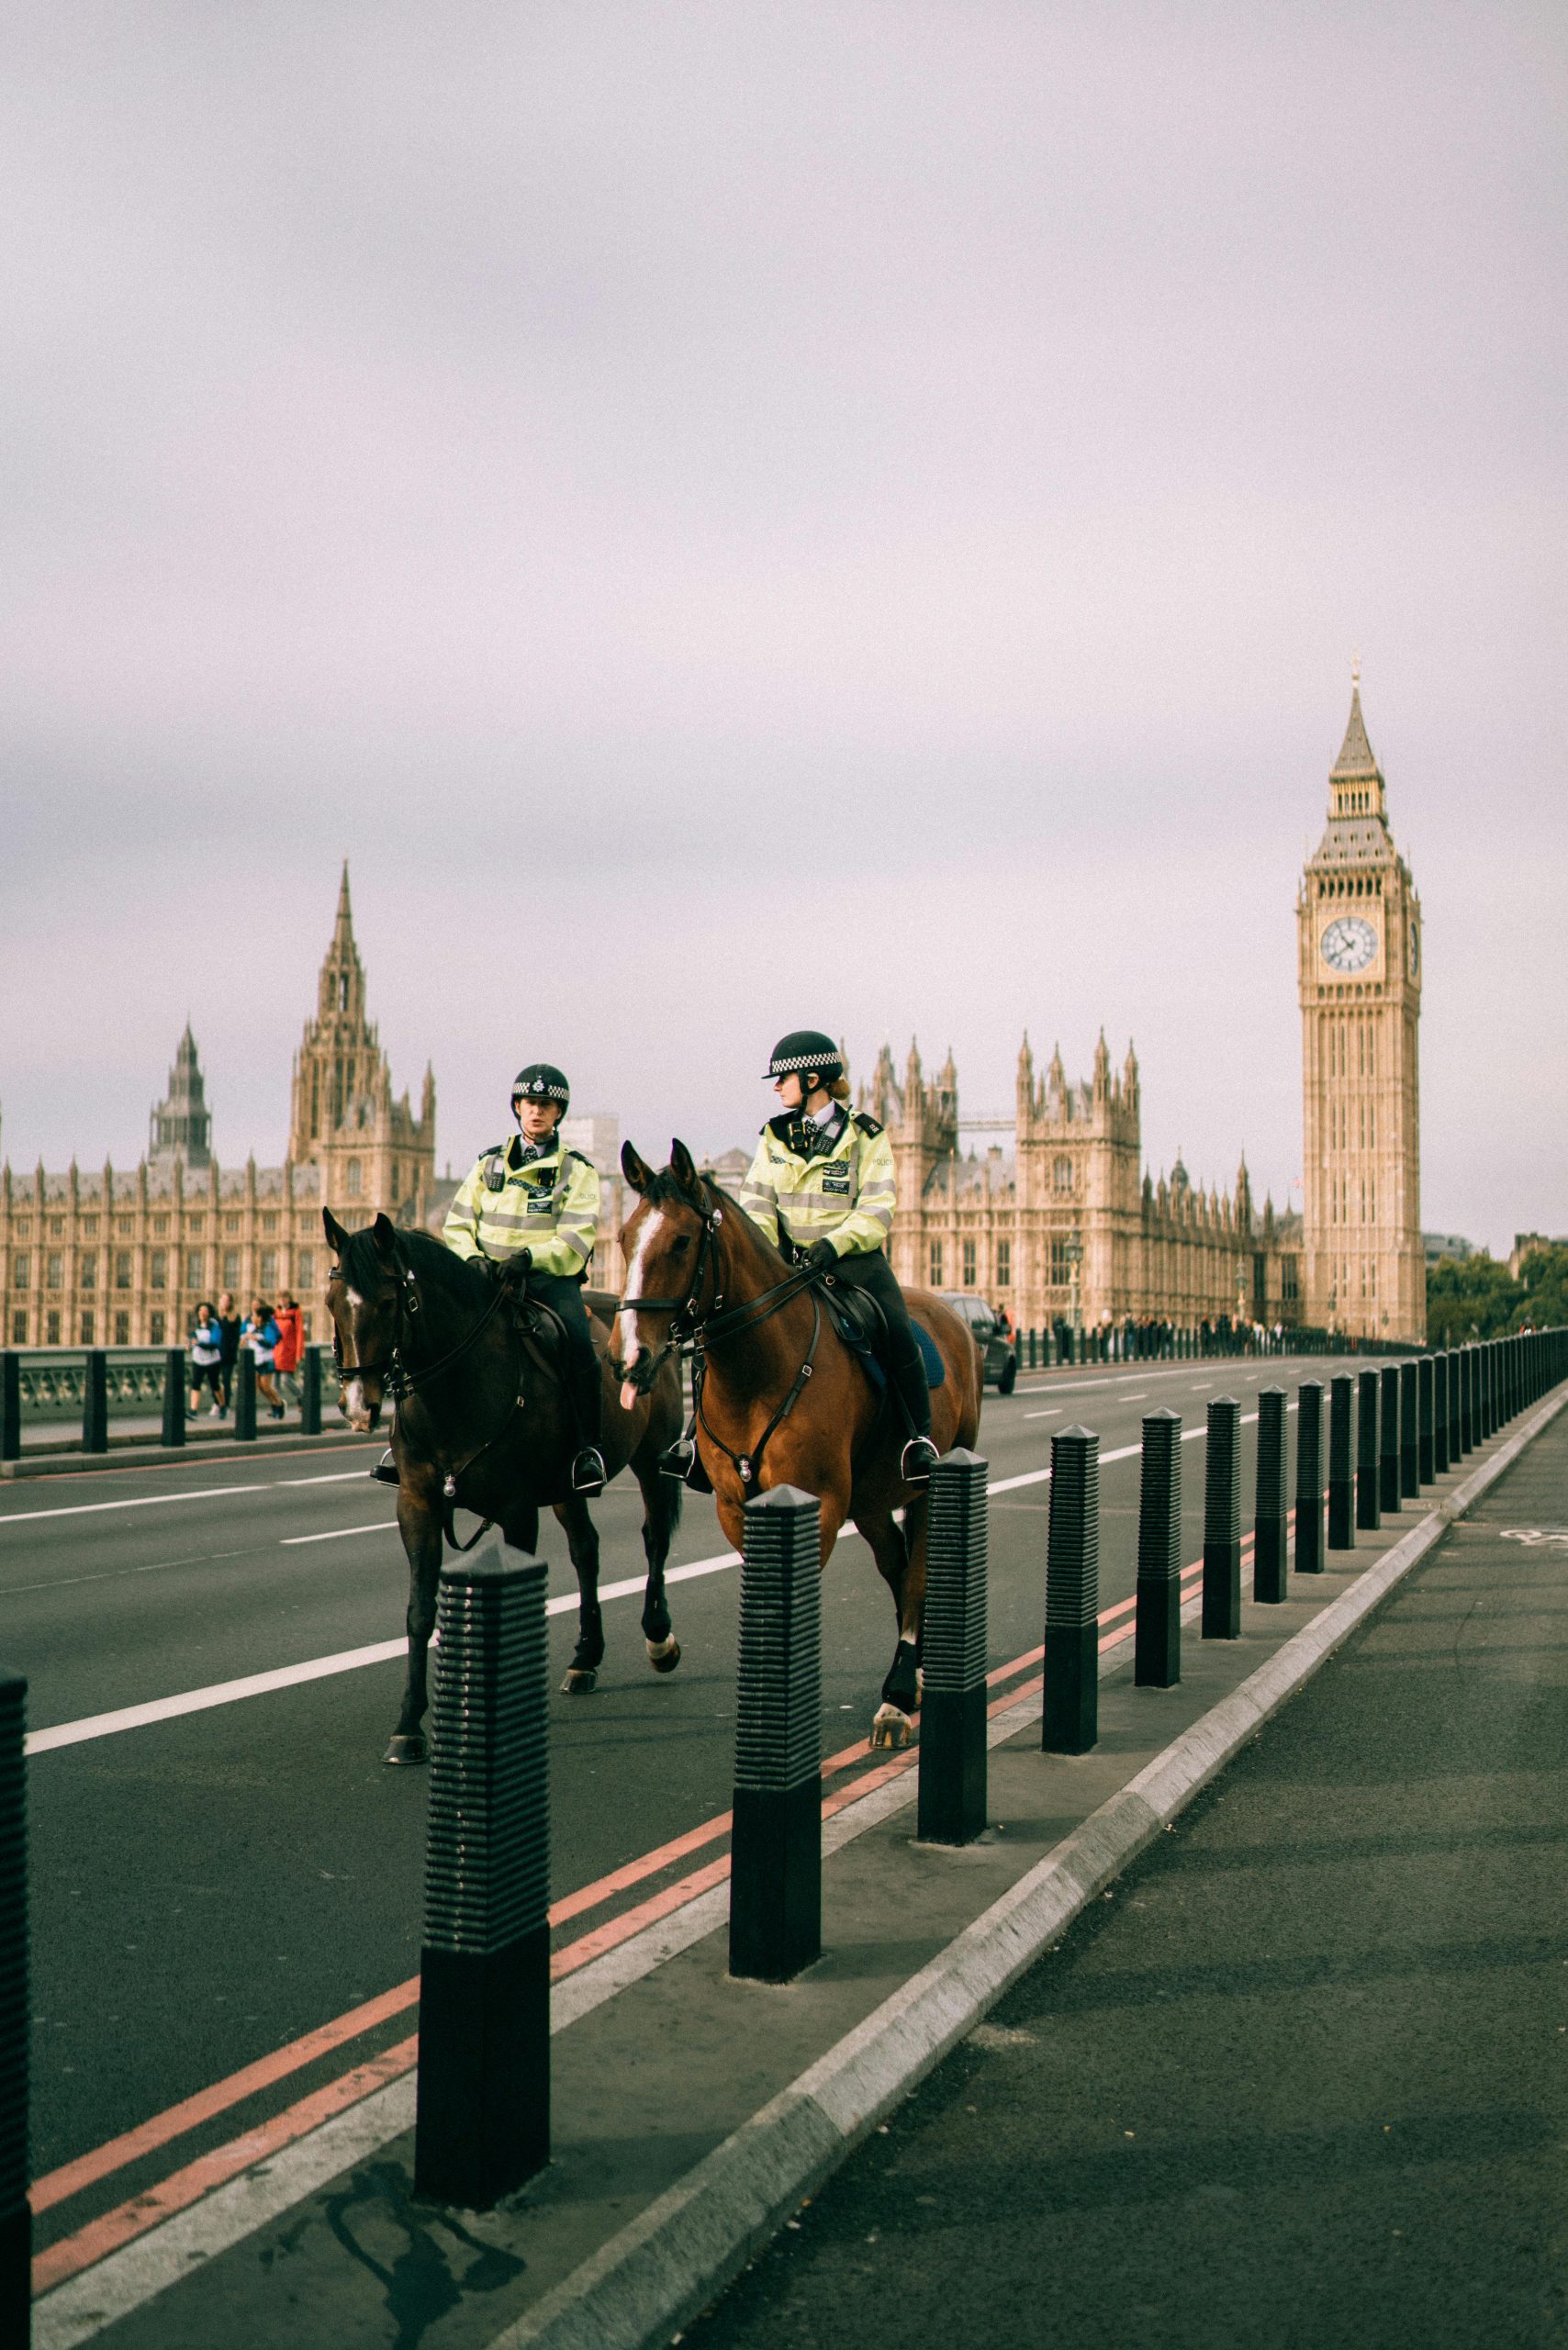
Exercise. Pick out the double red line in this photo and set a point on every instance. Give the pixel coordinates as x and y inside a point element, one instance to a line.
<point>121,2225</point>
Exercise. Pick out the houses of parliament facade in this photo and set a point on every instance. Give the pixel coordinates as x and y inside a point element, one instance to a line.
<point>1071,1228</point>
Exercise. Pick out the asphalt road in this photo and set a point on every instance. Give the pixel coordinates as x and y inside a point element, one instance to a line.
<point>207,1888</point>
<point>1300,2077</point>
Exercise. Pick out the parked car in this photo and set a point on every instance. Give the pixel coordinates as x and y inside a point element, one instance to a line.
<point>999,1354</point>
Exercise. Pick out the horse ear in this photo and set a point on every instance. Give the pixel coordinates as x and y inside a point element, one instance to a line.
<point>384,1235</point>
<point>334,1230</point>
<point>637,1172</point>
<point>684,1171</point>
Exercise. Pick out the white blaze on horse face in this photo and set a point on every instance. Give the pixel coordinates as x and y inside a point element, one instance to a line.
<point>354,1404</point>
<point>630,1344</point>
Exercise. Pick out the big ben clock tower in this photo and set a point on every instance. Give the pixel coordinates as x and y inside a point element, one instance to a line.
<point>1360,944</point>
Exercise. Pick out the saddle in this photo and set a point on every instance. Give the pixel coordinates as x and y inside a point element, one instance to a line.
<point>863,1326</point>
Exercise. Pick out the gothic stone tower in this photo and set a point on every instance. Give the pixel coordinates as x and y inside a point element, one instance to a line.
<point>1359,939</point>
<point>373,1152</point>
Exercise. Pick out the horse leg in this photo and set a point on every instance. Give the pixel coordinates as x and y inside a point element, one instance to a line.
<point>418,1522</point>
<point>661,1516</point>
<point>890,1547</point>
<point>582,1540</point>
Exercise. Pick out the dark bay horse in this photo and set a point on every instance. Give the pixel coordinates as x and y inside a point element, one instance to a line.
<point>783,1400</point>
<point>482,1423</point>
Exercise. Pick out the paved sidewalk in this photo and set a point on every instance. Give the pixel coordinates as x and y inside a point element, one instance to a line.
<point>1301,2079</point>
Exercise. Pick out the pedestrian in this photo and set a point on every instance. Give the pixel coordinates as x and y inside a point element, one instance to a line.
<point>290,1348</point>
<point>207,1360</point>
<point>259,1335</point>
<point>228,1329</point>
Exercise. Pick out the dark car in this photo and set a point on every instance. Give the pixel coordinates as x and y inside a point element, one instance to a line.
<point>998,1353</point>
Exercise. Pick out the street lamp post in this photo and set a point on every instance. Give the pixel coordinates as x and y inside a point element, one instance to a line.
<point>1074,1261</point>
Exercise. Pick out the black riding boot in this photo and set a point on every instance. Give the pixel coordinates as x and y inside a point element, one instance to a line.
<point>589,1471</point>
<point>919,1455</point>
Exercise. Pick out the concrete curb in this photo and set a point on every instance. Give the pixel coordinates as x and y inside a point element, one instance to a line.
<point>665,2265</point>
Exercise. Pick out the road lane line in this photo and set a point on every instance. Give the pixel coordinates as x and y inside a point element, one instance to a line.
<point>338,1534</point>
<point>139,1501</point>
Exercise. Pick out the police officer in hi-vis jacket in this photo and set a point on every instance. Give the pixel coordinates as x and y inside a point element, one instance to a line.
<point>820,1187</point>
<point>532,1203</point>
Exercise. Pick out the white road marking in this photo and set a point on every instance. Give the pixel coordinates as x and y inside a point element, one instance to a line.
<point>337,1533</point>
<point>1055,1412</point>
<point>141,1501</point>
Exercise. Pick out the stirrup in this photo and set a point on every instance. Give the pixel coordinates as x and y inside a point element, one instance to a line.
<point>385,1470</point>
<point>675,1460</point>
<point>917,1461</point>
<point>588,1471</point>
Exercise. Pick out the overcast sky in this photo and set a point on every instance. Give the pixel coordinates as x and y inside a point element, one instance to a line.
<point>738,516</point>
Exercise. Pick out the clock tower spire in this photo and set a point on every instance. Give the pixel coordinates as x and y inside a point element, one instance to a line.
<point>1359,923</point>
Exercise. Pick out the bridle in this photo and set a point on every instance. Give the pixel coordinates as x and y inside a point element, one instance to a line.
<point>690,1323</point>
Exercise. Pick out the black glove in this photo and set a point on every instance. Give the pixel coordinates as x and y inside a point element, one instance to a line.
<point>822,1255</point>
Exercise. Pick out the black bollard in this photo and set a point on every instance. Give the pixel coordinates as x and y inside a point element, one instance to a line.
<point>1309,1478</point>
<point>1070,1721</point>
<point>1157,1637</point>
<point>1425,1422</point>
<point>1440,1415</point>
<point>1489,1385</point>
<point>10,1406</point>
<point>1409,1449</point>
<point>174,1378</point>
<point>95,1401</point>
<point>1467,1399</point>
<point>483,2117</point>
<point>245,1396</point>
<point>16,2216</point>
<point>311,1393</point>
<point>951,1804</point>
<point>1366,1450</point>
<point>1269,1573</point>
<point>776,1845</point>
<point>1341,1470</point>
<point>1222,1523</point>
<point>1388,1441</point>
<point>1456,1406</point>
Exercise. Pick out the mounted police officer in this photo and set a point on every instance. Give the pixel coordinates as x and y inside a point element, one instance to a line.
<point>820,1187</point>
<point>533,1206</point>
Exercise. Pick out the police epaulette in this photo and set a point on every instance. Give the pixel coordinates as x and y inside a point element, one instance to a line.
<point>866,1124</point>
<point>584,1160</point>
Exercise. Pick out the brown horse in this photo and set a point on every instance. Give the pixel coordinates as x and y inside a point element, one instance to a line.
<point>483,1423</point>
<point>783,1400</point>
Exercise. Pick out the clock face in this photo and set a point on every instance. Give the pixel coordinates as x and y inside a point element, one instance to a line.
<point>1414,950</point>
<point>1350,943</point>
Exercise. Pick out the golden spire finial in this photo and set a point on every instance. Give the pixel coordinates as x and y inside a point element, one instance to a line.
<point>1355,672</point>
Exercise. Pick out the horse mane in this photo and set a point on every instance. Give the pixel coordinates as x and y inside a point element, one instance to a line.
<point>364,1265</point>
<point>666,1186</point>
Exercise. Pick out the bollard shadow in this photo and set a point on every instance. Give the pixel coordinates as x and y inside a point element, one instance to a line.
<point>424,2261</point>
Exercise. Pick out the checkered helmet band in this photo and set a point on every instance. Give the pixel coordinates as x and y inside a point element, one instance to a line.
<point>805,1049</point>
<point>541,1081</point>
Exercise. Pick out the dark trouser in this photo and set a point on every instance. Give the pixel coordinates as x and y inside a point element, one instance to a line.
<point>585,1388</point>
<point>870,1270</point>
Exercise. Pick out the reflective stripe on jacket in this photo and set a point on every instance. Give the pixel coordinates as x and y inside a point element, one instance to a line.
<point>549,1207</point>
<point>845,1195</point>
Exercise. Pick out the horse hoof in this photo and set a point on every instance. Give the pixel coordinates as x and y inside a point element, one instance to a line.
<point>890,1727</point>
<point>663,1655</point>
<point>407,1749</point>
<point>579,1680</point>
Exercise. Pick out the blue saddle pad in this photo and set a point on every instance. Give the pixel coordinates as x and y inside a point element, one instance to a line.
<point>854,1333</point>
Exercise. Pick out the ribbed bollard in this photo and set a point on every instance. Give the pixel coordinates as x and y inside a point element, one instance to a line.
<point>1341,1463</point>
<point>1440,1415</point>
<point>1467,1399</point>
<point>776,1845</point>
<point>95,1401</point>
<point>1156,1640</point>
<point>15,2218</point>
<point>245,1396</point>
<point>483,2121</point>
<point>951,1804</point>
<point>1222,1522</point>
<point>1458,1445</point>
<point>1388,1441</point>
<point>1489,1387</point>
<point>1070,1721</point>
<point>174,1395</point>
<point>1309,1478</point>
<point>1409,1445</point>
<point>1268,1579</point>
<point>1367,1470</point>
<point>1425,1422</point>
<point>311,1393</point>
<point>10,1406</point>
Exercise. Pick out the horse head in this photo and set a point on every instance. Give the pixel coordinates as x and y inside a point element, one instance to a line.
<point>664,1243</point>
<point>364,1301</point>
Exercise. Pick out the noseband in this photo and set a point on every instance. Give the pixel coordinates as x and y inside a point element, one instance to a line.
<point>398,1377</point>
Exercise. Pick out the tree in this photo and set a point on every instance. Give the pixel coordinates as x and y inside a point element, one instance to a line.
<point>1544,1277</point>
<point>1472,1297</point>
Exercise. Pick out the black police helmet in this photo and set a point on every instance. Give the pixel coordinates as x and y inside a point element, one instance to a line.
<point>540,1081</point>
<point>804,1049</point>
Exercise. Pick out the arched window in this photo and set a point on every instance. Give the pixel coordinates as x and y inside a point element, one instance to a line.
<point>352,1177</point>
<point>1062,1175</point>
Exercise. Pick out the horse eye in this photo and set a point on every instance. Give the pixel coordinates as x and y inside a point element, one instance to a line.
<point>681,1246</point>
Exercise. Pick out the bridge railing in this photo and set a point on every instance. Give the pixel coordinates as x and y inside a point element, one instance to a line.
<point>45,1390</point>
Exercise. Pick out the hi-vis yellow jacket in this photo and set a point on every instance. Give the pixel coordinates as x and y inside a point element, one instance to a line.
<point>845,1195</point>
<point>550,1208</point>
